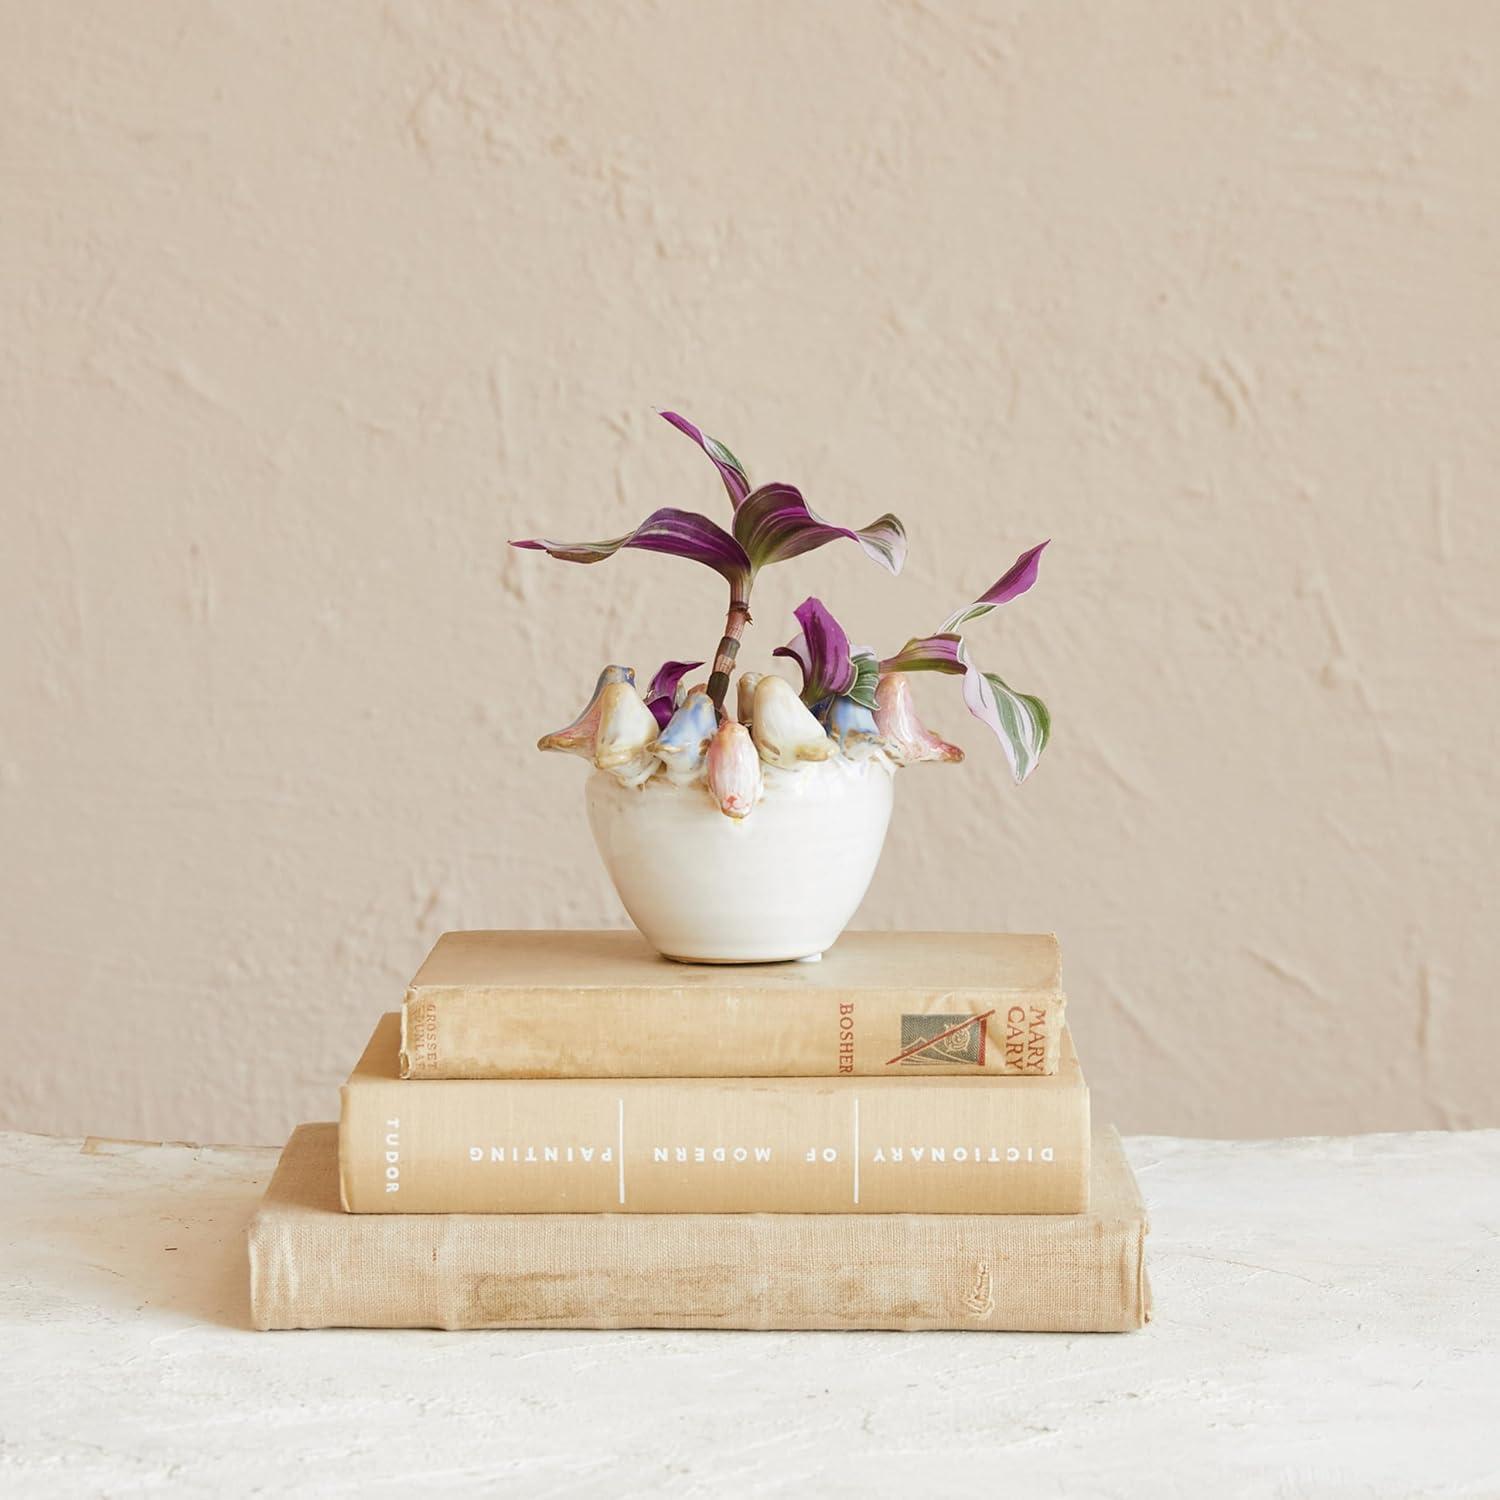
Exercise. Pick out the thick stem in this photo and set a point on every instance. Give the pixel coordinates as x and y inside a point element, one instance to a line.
<point>729,647</point>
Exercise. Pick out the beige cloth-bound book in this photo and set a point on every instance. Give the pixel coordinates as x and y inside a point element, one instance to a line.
<point>312,1266</point>
<point>603,1005</point>
<point>711,1145</point>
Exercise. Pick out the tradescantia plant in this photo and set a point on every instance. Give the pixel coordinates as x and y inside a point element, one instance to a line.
<point>771,524</point>
<point>853,703</point>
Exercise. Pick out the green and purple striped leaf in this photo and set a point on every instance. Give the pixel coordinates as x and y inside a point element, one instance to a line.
<point>731,470</point>
<point>1020,722</point>
<point>927,653</point>
<point>678,533</point>
<point>1010,585</point>
<point>775,523</point>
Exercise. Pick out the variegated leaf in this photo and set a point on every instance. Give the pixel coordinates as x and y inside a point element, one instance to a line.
<point>775,523</point>
<point>1021,723</point>
<point>678,533</point>
<point>866,679</point>
<point>731,470</point>
<point>1009,585</point>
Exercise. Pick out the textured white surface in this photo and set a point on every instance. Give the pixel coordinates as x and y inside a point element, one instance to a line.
<point>307,307</point>
<point>1327,1324</point>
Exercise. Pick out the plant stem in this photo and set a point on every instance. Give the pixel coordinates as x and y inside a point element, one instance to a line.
<point>729,647</point>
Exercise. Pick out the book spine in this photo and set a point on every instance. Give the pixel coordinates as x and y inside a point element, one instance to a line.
<point>832,1271</point>
<point>939,1146</point>
<point>474,1032</point>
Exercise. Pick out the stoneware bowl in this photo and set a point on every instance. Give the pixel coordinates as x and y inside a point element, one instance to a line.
<point>780,883</point>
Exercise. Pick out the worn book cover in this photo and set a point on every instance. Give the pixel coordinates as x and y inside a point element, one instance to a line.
<point>603,1005</point>
<point>701,1145</point>
<point>312,1266</point>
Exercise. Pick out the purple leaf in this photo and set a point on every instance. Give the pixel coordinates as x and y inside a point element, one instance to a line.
<point>1010,585</point>
<point>821,649</point>
<point>775,523</point>
<point>668,678</point>
<point>678,533</point>
<point>661,696</point>
<point>1021,723</point>
<point>731,470</point>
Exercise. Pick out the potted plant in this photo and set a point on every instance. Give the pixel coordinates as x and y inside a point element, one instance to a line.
<point>746,828</point>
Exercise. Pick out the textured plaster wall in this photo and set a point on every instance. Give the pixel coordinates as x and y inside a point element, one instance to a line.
<point>306,308</point>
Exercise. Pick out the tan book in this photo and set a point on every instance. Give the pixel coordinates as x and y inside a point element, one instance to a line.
<point>707,1145</point>
<point>314,1267</point>
<point>603,1005</point>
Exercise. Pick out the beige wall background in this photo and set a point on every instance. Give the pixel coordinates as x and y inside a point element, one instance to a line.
<point>307,308</point>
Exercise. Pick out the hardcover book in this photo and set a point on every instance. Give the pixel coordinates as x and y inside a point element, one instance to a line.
<point>314,1267</point>
<point>701,1145</point>
<point>603,1005</point>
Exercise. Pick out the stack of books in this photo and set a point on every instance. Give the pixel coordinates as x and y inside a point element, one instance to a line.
<point>563,1130</point>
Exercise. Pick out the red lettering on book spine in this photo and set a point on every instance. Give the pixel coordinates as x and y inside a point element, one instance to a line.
<point>1036,1041</point>
<point>1015,1035</point>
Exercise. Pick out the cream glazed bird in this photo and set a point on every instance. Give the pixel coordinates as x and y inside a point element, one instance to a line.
<point>906,739</point>
<point>785,732</point>
<point>627,734</point>
<point>734,775</point>
<point>577,738</point>
<point>745,696</point>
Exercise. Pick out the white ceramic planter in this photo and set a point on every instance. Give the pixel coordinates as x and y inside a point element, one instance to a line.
<point>778,884</point>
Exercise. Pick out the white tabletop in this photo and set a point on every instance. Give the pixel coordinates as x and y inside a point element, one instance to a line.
<point>1327,1324</point>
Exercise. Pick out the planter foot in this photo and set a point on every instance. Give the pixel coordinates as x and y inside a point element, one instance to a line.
<point>729,963</point>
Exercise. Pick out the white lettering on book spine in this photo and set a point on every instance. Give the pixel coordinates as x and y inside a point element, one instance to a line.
<point>540,1155</point>
<point>702,1156</point>
<point>856,1148</point>
<point>393,1155</point>
<point>939,1156</point>
<point>724,1155</point>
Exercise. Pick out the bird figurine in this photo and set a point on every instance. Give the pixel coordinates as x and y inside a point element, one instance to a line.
<point>745,696</point>
<point>682,747</point>
<point>852,725</point>
<point>905,737</point>
<point>626,734</point>
<point>785,733</point>
<point>734,775</point>
<point>577,738</point>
